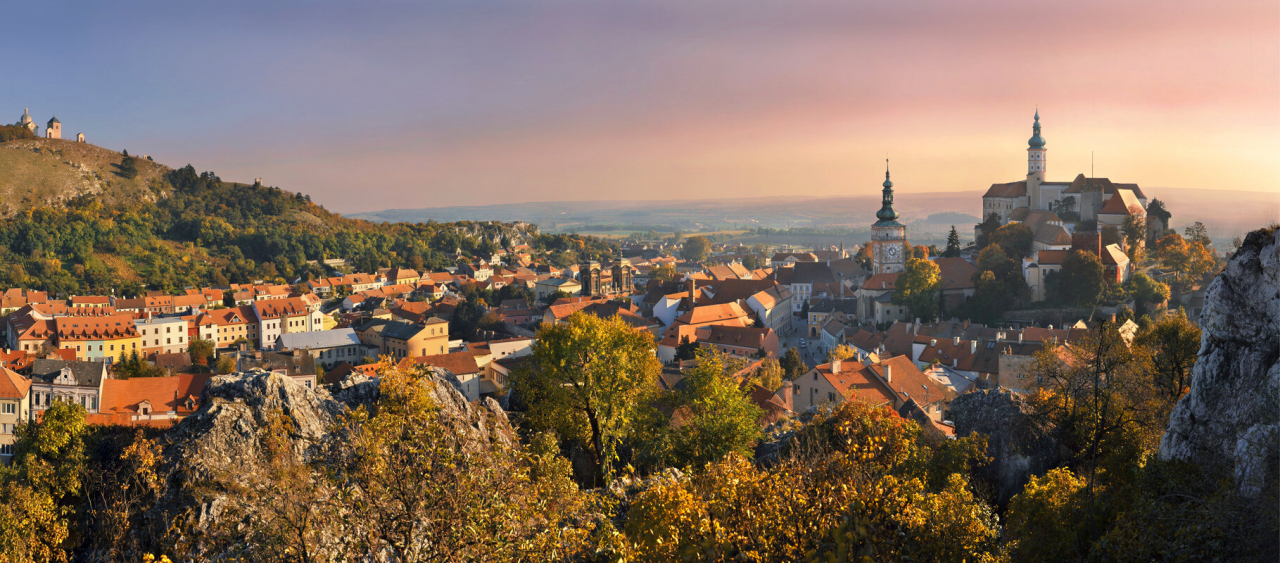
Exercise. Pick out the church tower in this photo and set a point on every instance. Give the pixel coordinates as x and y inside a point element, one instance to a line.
<point>1035,164</point>
<point>54,129</point>
<point>888,236</point>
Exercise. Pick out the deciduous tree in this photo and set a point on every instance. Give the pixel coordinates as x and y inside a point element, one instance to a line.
<point>917,288</point>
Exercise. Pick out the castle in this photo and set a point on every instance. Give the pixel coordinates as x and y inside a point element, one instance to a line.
<point>52,130</point>
<point>1082,199</point>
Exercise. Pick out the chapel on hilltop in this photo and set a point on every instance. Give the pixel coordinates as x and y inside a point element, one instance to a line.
<point>52,130</point>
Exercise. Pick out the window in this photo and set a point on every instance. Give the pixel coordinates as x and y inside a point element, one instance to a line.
<point>9,408</point>
<point>815,376</point>
<point>831,397</point>
<point>6,449</point>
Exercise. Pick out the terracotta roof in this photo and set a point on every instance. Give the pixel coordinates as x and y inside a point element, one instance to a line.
<point>95,328</point>
<point>458,363</point>
<point>708,314</point>
<point>881,281</point>
<point>854,381</point>
<point>907,381</point>
<point>276,308</point>
<point>122,396</point>
<point>1051,257</point>
<point>957,273</point>
<point>1124,202</point>
<point>12,385</point>
<point>1113,256</point>
<point>738,336</point>
<point>1011,189</point>
<point>91,300</point>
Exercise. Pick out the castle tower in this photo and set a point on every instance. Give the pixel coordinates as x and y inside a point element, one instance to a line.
<point>26,120</point>
<point>889,237</point>
<point>1035,164</point>
<point>54,129</point>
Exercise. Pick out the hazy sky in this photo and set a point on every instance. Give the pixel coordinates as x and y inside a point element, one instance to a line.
<point>371,105</point>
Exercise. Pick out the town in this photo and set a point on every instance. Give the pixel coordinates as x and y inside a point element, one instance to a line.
<point>650,282</point>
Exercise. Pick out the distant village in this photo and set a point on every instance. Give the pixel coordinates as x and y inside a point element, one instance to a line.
<point>799,302</point>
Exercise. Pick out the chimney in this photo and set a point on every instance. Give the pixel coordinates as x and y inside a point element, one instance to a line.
<point>933,342</point>
<point>956,342</point>
<point>973,346</point>
<point>693,286</point>
<point>835,367</point>
<point>888,373</point>
<point>787,394</point>
<point>1019,336</point>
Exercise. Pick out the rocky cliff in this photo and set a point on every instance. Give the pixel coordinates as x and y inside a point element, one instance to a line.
<point>1231,416</point>
<point>1019,444</point>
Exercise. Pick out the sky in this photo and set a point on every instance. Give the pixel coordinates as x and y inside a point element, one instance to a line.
<point>372,105</point>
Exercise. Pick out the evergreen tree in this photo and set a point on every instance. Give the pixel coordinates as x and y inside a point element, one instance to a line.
<point>953,244</point>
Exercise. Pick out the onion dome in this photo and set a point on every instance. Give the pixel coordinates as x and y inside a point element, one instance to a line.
<point>1036,141</point>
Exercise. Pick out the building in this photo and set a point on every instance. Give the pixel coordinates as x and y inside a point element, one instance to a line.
<point>162,335</point>
<point>328,348</point>
<point>53,130</point>
<point>891,382</point>
<point>27,122</point>
<point>599,280</point>
<point>548,287</point>
<point>76,382</point>
<point>282,316</point>
<point>1082,199</point>
<point>404,340</point>
<point>109,338</point>
<point>742,342</point>
<point>15,408</point>
<point>147,399</point>
<point>888,237</point>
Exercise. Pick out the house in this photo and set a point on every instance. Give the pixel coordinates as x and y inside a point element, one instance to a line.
<point>282,316</point>
<point>743,342</point>
<point>955,281</point>
<point>78,382</point>
<point>328,347</point>
<point>405,340</point>
<point>467,366</point>
<point>788,259</point>
<point>90,301</point>
<point>891,382</point>
<point>548,287</point>
<point>802,278</point>
<point>875,299</point>
<point>162,335</point>
<point>821,309</point>
<point>231,325</point>
<point>397,276</point>
<point>107,338</point>
<point>686,325</point>
<point>15,408</point>
<point>146,399</point>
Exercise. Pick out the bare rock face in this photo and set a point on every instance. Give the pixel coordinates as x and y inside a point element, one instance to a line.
<point>1231,417</point>
<point>1019,444</point>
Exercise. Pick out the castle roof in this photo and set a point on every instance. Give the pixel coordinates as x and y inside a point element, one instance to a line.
<point>53,120</point>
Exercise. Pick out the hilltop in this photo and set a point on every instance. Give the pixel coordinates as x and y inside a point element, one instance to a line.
<point>74,223</point>
<point>50,172</point>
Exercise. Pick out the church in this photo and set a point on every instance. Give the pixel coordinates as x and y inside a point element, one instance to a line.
<point>52,130</point>
<point>889,253</point>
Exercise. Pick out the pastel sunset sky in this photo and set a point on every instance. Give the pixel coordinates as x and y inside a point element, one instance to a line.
<point>373,105</point>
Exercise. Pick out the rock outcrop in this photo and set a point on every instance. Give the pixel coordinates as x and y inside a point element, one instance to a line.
<point>1231,417</point>
<point>1019,444</point>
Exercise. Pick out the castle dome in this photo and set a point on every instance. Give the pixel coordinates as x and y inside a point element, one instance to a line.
<point>26,117</point>
<point>887,214</point>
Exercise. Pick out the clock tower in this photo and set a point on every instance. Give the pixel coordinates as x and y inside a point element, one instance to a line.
<point>888,236</point>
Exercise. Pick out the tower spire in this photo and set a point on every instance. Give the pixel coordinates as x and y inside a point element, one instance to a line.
<point>887,212</point>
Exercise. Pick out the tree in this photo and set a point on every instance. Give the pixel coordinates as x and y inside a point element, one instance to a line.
<point>1156,211</point>
<point>1197,233</point>
<point>863,256</point>
<point>953,244</point>
<point>588,380</point>
<point>201,352</point>
<point>42,487</point>
<point>1146,290</point>
<point>1174,344</point>
<point>665,272</point>
<point>696,249</point>
<point>769,375</point>
<point>226,364</point>
<point>129,167</point>
<point>917,288</point>
<point>1080,281</point>
<point>792,364</point>
<point>988,225</point>
<point>686,350</point>
<point>1110,235</point>
<point>1135,233</point>
<point>716,415</point>
<point>1190,262</point>
<point>1014,239</point>
<point>840,352</point>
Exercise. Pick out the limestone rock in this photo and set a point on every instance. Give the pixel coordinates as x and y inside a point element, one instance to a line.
<point>1231,417</point>
<point>1019,444</point>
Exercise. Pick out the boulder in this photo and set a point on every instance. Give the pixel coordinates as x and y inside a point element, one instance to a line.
<point>1230,419</point>
<point>1020,444</point>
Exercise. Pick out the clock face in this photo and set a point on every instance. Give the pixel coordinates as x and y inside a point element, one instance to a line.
<point>891,251</point>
